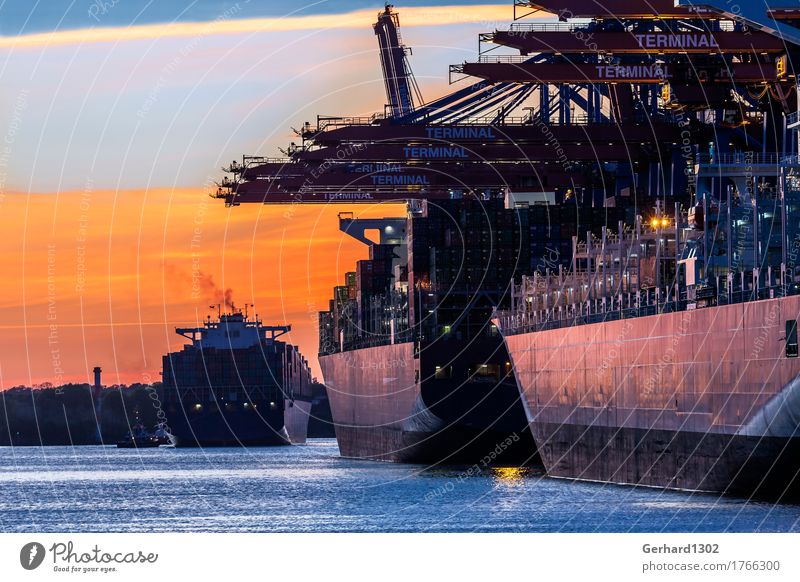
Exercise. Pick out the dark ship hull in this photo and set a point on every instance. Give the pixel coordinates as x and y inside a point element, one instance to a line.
<point>702,400</point>
<point>389,405</point>
<point>138,444</point>
<point>259,424</point>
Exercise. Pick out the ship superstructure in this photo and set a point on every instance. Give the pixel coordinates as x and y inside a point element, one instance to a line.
<point>236,384</point>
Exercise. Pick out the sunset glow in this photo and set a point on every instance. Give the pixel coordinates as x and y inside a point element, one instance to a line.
<point>228,23</point>
<point>103,278</point>
<point>110,143</point>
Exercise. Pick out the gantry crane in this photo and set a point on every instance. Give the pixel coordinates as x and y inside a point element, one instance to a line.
<point>591,108</point>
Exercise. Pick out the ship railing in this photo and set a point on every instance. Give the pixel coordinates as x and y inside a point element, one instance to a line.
<point>748,295</point>
<point>723,25</point>
<point>373,341</point>
<point>251,162</point>
<point>324,123</point>
<point>495,121</point>
<point>612,308</point>
<point>574,119</point>
<point>546,27</point>
<point>741,159</point>
<point>557,318</point>
<point>495,59</point>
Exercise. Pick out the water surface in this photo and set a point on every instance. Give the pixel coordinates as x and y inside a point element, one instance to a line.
<point>311,489</point>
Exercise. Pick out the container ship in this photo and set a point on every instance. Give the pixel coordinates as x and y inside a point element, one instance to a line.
<point>571,132</point>
<point>236,384</point>
<point>667,356</point>
<point>414,367</point>
<point>409,379</point>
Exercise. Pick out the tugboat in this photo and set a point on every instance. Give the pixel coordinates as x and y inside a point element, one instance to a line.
<point>162,434</point>
<point>139,438</point>
<point>236,384</point>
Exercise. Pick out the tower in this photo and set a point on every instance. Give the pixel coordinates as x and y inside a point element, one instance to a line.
<point>97,389</point>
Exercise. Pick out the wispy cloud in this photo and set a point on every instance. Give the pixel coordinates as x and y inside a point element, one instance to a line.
<point>411,16</point>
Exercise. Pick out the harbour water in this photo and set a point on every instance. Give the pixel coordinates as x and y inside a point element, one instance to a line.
<point>311,489</point>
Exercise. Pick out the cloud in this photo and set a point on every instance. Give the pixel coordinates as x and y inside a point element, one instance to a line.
<point>490,14</point>
<point>202,286</point>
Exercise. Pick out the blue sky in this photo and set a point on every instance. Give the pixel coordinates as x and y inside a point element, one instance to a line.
<point>27,16</point>
<point>133,108</point>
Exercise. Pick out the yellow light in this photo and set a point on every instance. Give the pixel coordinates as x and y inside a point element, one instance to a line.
<point>654,223</point>
<point>508,474</point>
<point>781,66</point>
<point>664,222</point>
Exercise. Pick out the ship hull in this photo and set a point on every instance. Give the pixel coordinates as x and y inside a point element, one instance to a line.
<point>296,416</point>
<point>382,411</point>
<point>703,400</point>
<point>760,466</point>
<point>263,426</point>
<point>373,393</point>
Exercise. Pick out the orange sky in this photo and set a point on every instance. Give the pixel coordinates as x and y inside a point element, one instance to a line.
<point>103,278</point>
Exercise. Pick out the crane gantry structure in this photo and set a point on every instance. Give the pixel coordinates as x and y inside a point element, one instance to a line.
<point>607,100</point>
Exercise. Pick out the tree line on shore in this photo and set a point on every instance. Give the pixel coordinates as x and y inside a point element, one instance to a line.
<point>65,415</point>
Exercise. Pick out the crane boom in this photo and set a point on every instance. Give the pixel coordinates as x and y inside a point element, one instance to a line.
<point>396,72</point>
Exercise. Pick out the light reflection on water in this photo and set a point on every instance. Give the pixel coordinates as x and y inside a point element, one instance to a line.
<point>310,489</point>
<point>510,475</point>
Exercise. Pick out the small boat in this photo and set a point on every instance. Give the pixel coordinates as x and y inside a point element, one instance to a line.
<point>162,435</point>
<point>139,438</point>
